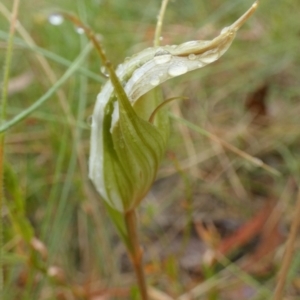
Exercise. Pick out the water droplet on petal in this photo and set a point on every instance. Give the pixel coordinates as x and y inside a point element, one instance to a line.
<point>192,56</point>
<point>228,30</point>
<point>139,63</point>
<point>162,59</point>
<point>190,43</point>
<point>56,19</point>
<point>224,29</point>
<point>79,30</point>
<point>177,69</point>
<point>154,81</point>
<point>104,71</point>
<point>208,59</point>
<point>209,56</point>
<point>161,51</point>
<point>162,56</point>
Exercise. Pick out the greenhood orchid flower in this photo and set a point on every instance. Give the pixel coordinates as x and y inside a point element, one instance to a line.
<point>126,148</point>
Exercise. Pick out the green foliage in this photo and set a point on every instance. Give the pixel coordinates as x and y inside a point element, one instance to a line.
<point>47,188</point>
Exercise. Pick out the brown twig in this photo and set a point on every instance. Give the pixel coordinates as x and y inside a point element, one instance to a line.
<point>256,161</point>
<point>288,254</point>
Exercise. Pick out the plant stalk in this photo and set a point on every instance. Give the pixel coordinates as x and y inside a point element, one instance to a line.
<point>135,252</point>
<point>288,254</point>
<point>6,73</point>
<point>159,23</point>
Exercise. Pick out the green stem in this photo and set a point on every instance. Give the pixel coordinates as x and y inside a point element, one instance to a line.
<point>159,23</point>
<point>2,118</point>
<point>135,252</point>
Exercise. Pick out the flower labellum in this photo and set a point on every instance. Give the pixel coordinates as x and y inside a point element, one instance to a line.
<point>126,149</point>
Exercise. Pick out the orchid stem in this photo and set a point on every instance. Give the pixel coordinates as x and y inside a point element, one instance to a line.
<point>135,252</point>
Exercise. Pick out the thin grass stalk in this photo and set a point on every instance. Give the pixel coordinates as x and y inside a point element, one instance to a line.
<point>25,113</point>
<point>135,252</point>
<point>22,44</point>
<point>288,254</point>
<point>61,96</point>
<point>6,73</point>
<point>254,160</point>
<point>159,23</point>
<point>186,138</point>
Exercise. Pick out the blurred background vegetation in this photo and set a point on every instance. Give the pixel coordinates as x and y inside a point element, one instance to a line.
<point>204,191</point>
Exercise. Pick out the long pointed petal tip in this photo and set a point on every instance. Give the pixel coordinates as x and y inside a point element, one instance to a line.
<point>255,4</point>
<point>237,24</point>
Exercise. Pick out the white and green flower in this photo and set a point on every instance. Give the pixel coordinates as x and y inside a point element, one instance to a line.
<point>126,148</point>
